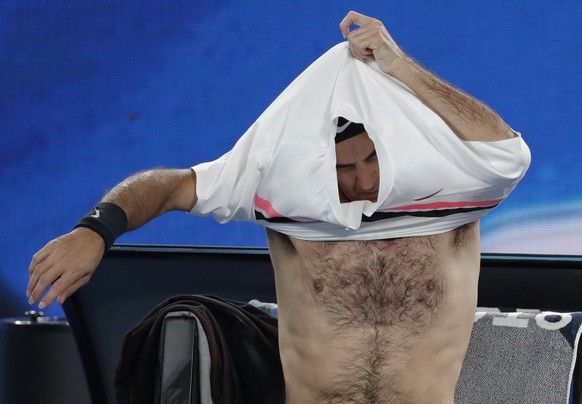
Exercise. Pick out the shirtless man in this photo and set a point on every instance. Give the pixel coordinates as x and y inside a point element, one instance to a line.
<point>378,321</point>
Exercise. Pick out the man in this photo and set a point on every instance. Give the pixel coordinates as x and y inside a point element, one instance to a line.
<point>376,274</point>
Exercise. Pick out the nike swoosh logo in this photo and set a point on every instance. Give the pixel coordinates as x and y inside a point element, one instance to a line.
<point>429,196</point>
<point>96,214</point>
<point>340,129</point>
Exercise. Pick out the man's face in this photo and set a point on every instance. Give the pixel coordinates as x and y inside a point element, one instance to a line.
<point>358,174</point>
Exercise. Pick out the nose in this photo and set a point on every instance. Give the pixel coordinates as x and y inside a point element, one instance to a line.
<point>368,177</point>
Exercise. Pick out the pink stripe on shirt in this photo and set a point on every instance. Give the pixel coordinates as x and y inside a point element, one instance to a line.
<point>266,206</point>
<point>446,205</point>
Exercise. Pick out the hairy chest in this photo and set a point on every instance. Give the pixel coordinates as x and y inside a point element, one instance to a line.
<point>378,283</point>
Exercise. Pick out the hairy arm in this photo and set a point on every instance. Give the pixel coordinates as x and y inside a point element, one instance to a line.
<point>148,194</point>
<point>468,117</point>
<point>66,263</point>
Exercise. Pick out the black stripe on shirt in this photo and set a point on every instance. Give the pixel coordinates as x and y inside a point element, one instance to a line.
<point>387,215</point>
<point>423,213</point>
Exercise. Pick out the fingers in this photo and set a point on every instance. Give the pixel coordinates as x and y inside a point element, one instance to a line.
<point>360,50</point>
<point>45,275</point>
<point>371,41</point>
<point>64,287</point>
<point>60,284</point>
<point>365,39</point>
<point>353,18</point>
<point>63,266</point>
<point>41,273</point>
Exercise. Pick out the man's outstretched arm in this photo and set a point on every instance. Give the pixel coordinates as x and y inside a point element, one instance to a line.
<point>66,263</point>
<point>469,118</point>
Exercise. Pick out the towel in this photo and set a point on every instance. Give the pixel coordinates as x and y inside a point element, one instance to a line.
<point>281,173</point>
<point>520,358</point>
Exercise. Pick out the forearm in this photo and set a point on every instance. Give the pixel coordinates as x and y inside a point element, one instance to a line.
<point>148,194</point>
<point>68,262</point>
<point>468,117</point>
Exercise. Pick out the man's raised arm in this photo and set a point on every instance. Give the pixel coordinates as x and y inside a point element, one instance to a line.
<point>469,118</point>
<point>66,263</point>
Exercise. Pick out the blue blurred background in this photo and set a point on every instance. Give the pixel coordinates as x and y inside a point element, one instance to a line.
<point>92,91</point>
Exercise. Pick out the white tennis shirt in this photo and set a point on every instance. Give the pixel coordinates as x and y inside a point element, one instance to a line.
<point>281,172</point>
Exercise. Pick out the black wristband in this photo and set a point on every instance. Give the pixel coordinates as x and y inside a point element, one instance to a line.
<point>106,219</point>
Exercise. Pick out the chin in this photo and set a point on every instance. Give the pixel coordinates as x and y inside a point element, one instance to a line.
<point>371,198</point>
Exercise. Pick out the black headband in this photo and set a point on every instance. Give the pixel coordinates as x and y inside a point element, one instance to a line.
<point>347,129</point>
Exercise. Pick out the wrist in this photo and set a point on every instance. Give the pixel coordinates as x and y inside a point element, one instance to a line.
<point>106,219</point>
<point>95,238</point>
<point>403,68</point>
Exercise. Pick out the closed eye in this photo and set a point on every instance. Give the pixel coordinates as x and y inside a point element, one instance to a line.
<point>373,156</point>
<point>344,166</point>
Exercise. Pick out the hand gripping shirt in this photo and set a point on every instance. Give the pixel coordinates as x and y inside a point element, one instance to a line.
<point>281,173</point>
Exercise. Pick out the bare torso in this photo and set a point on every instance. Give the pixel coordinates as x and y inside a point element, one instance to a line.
<point>385,321</point>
